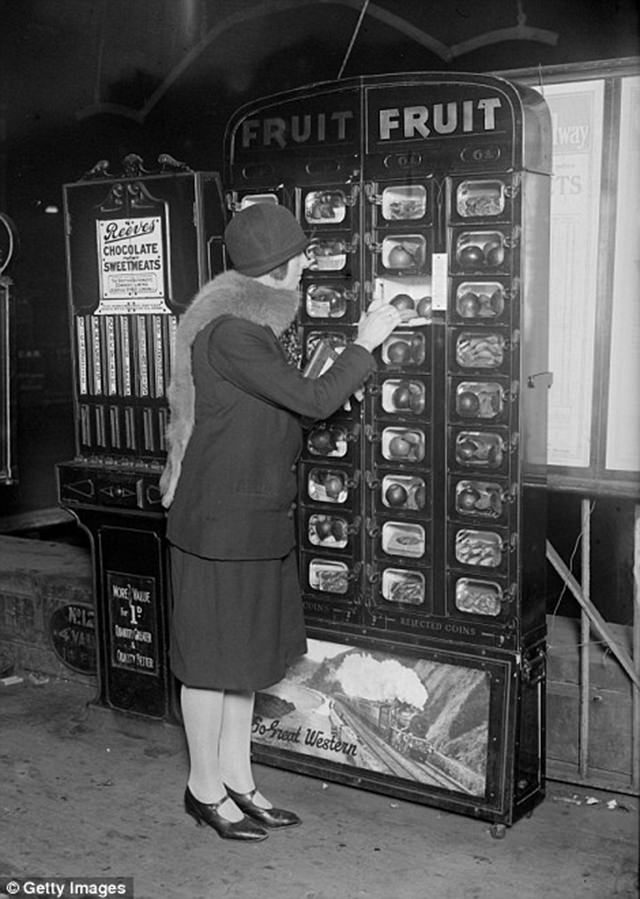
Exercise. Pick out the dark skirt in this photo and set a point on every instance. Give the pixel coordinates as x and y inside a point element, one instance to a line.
<point>236,625</point>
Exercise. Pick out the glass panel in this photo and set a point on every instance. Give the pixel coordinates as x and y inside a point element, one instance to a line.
<point>478,198</point>
<point>328,576</point>
<point>406,587</point>
<point>482,548</point>
<point>404,348</point>
<point>404,492</point>
<point>400,539</point>
<point>403,396</point>
<point>479,350</point>
<point>403,445</point>
<point>327,441</point>
<point>479,498</point>
<point>476,250</point>
<point>480,299</point>
<point>478,449</point>
<point>328,530</point>
<point>327,486</point>
<point>478,597</point>
<point>476,399</point>
<point>327,206</point>
<point>404,202</point>
<point>325,302</point>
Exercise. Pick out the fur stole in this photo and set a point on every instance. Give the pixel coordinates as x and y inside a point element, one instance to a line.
<point>228,294</point>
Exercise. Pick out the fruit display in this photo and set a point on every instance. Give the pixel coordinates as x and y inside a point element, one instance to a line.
<point>325,206</point>
<point>479,299</point>
<point>328,576</point>
<point>480,350</point>
<point>482,548</point>
<point>400,539</point>
<point>403,445</point>
<point>479,450</point>
<point>404,202</point>
<point>402,586</point>
<point>327,485</point>
<point>478,597</point>
<point>327,255</point>
<point>327,441</point>
<point>479,250</point>
<point>404,348</point>
<point>404,253</point>
<point>328,530</point>
<point>479,399</point>
<point>479,498</point>
<point>480,198</point>
<point>324,301</point>
<point>404,492</point>
<point>403,396</point>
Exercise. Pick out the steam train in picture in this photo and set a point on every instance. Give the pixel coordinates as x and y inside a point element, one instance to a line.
<point>398,724</point>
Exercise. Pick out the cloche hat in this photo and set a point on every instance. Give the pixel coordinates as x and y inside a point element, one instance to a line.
<point>263,236</point>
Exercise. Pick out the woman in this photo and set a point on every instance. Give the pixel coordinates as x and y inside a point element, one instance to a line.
<point>235,434</point>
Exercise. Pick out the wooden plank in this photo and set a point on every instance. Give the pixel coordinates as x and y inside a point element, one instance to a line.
<point>596,619</point>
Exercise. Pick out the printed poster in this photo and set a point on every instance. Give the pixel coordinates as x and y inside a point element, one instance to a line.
<point>131,266</point>
<point>415,719</point>
<point>577,124</point>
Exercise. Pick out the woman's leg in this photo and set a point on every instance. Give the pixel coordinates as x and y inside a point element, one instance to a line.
<point>202,715</point>
<point>235,744</point>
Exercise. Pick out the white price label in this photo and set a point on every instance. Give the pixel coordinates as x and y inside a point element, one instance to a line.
<point>439,282</point>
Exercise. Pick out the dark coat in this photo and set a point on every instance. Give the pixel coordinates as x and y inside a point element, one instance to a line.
<point>237,482</point>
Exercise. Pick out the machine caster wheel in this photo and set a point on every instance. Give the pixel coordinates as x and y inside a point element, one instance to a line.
<point>498,831</point>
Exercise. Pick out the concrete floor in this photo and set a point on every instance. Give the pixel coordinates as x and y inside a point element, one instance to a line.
<point>84,792</point>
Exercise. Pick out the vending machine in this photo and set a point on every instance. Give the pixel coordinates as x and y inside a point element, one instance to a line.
<point>139,245</point>
<point>422,557</point>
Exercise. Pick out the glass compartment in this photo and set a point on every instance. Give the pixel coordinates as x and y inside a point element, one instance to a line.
<point>401,396</point>
<point>337,341</point>
<point>328,530</point>
<point>250,199</point>
<point>404,252</point>
<point>478,597</point>
<point>478,250</point>
<point>404,587</point>
<point>324,301</point>
<point>404,492</point>
<point>477,449</point>
<point>480,349</point>
<point>328,576</point>
<point>327,254</point>
<point>327,485</point>
<point>482,548</point>
<point>478,399</point>
<point>480,198</point>
<point>404,202</point>
<point>404,348</point>
<point>327,440</point>
<point>327,206</point>
<point>403,539</point>
<point>480,499</point>
<point>403,445</point>
<point>478,299</point>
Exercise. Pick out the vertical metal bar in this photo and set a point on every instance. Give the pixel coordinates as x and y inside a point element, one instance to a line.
<point>585,635</point>
<point>635,708</point>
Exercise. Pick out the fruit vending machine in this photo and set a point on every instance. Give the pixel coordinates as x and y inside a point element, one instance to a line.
<point>139,246</point>
<point>422,566</point>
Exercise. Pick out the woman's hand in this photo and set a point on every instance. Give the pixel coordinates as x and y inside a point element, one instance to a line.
<point>376,324</point>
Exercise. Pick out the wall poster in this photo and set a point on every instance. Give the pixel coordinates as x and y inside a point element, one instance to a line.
<point>411,718</point>
<point>623,425</point>
<point>577,122</point>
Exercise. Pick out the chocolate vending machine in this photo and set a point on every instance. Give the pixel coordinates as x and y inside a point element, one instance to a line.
<point>138,246</point>
<point>421,514</point>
